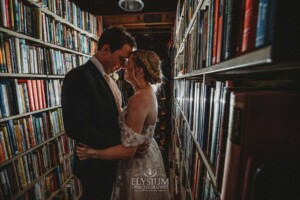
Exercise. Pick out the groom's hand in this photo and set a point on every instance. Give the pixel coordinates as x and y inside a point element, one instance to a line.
<point>142,150</point>
<point>84,152</point>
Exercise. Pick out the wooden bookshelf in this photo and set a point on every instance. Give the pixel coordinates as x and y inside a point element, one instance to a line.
<point>15,34</point>
<point>31,149</point>
<point>263,67</point>
<point>29,186</point>
<point>62,20</point>
<point>62,186</point>
<point>38,41</point>
<point>15,75</point>
<point>200,5</point>
<point>204,157</point>
<point>28,114</point>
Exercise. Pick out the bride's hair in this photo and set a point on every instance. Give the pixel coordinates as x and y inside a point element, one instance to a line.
<point>150,63</point>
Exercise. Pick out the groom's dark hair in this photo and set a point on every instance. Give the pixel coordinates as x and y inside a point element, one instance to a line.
<point>116,37</point>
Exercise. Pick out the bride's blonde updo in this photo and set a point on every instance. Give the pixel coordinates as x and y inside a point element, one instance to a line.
<point>150,63</point>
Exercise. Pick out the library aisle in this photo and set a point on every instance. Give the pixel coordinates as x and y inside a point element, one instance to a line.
<point>228,110</point>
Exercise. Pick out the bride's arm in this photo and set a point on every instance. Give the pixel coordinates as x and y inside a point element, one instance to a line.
<point>135,118</point>
<point>118,152</point>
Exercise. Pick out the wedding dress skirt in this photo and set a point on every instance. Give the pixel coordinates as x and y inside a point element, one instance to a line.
<point>140,178</point>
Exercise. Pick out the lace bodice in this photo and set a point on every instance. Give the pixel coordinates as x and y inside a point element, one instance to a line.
<point>130,137</point>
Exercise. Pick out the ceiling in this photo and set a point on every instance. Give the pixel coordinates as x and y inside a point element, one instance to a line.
<point>111,7</point>
<point>151,26</point>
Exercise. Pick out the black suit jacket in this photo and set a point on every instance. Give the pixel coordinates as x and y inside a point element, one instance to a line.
<point>91,117</point>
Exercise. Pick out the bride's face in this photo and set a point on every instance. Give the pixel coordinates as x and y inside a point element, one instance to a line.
<point>129,69</point>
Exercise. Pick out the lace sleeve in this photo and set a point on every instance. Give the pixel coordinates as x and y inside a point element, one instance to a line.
<point>130,138</point>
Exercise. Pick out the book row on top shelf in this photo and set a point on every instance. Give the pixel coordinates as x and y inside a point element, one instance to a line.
<point>20,16</point>
<point>219,34</point>
<point>34,40</point>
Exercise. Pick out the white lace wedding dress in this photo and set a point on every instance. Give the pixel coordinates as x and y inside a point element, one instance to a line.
<point>140,178</point>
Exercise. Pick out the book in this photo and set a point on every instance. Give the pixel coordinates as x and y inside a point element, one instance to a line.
<point>232,13</point>
<point>250,23</point>
<point>4,155</point>
<point>6,138</point>
<point>215,31</point>
<point>216,120</point>
<point>28,84</point>
<point>21,173</point>
<point>4,102</point>
<point>224,116</point>
<point>8,56</point>
<point>5,193</point>
<point>221,27</point>
<point>260,130</point>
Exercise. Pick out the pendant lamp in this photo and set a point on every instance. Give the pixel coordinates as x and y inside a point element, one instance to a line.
<point>131,5</point>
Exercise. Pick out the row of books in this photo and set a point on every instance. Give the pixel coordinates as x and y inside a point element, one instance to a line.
<point>160,133</point>
<point>245,128</point>
<point>193,174</point>
<point>17,56</point>
<point>184,14</point>
<point>176,180</point>
<point>195,48</point>
<point>175,172</point>
<point>57,33</point>
<point>185,142</point>
<point>49,187</point>
<point>71,191</point>
<point>22,17</point>
<point>72,13</point>
<point>225,29</point>
<point>19,16</point>
<point>19,135</point>
<point>196,102</point>
<point>35,164</point>
<point>19,96</point>
<point>201,184</point>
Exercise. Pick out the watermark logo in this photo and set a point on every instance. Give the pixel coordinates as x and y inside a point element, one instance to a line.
<point>150,180</point>
<point>150,172</point>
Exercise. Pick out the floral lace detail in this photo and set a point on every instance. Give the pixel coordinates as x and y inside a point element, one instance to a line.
<point>131,168</point>
<point>129,137</point>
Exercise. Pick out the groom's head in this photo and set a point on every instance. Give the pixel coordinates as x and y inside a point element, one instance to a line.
<point>114,48</point>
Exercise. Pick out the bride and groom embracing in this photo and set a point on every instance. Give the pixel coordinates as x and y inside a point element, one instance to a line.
<point>116,156</point>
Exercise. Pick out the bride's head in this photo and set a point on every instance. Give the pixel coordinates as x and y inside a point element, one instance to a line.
<point>143,67</point>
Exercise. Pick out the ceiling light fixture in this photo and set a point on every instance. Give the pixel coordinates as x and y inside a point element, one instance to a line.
<point>131,5</point>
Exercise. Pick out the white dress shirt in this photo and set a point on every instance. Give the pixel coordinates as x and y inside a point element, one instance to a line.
<point>112,84</point>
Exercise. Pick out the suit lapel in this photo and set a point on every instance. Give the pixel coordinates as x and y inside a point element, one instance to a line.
<point>100,79</point>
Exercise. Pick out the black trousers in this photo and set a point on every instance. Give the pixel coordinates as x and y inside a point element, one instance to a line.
<point>96,191</point>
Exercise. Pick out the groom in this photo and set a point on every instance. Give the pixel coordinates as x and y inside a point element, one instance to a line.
<point>91,103</point>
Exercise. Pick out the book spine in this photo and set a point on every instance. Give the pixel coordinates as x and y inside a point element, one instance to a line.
<point>250,23</point>
<point>215,32</point>
<point>262,22</point>
<point>233,150</point>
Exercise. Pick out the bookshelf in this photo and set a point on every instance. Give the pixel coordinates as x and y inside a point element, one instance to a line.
<point>160,134</point>
<point>232,73</point>
<point>40,41</point>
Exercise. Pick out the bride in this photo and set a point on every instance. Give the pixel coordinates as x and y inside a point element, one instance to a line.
<point>137,178</point>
